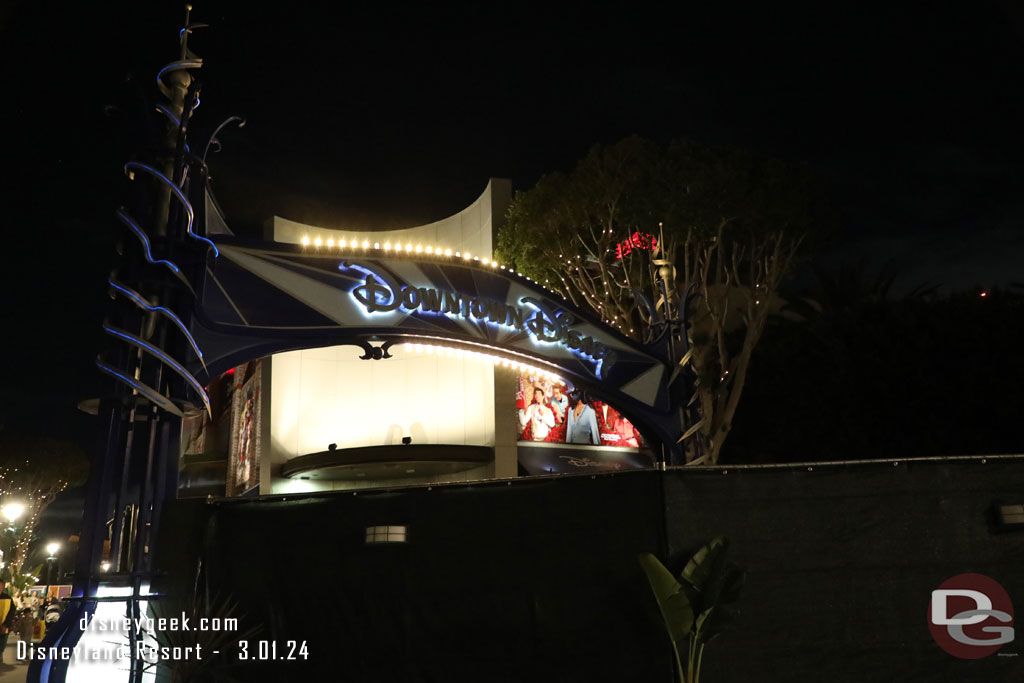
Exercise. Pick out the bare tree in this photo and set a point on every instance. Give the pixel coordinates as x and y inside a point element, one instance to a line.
<point>33,472</point>
<point>735,284</point>
<point>632,217</point>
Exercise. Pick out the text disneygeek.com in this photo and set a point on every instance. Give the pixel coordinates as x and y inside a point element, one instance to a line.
<point>146,647</point>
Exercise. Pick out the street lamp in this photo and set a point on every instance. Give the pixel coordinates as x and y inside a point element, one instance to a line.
<point>12,511</point>
<point>52,549</point>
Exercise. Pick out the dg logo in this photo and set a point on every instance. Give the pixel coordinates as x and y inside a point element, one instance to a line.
<point>970,616</point>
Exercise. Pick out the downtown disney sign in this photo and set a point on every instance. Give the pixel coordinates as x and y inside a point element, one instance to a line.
<point>544,322</point>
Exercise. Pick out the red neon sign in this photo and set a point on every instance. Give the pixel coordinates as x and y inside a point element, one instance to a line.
<point>638,240</point>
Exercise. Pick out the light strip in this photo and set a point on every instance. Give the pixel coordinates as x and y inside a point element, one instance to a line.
<point>177,193</point>
<point>169,114</point>
<point>144,389</point>
<point>133,226</point>
<point>162,355</point>
<point>142,303</point>
<point>317,242</point>
<point>175,66</point>
<point>496,360</point>
<point>177,124</point>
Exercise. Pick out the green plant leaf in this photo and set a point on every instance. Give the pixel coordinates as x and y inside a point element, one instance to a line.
<point>705,562</point>
<point>701,620</point>
<point>717,620</point>
<point>675,606</point>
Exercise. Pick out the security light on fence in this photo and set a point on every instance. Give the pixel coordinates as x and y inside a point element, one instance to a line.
<point>385,534</point>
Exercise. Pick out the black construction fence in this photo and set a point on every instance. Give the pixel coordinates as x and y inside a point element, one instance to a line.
<point>537,579</point>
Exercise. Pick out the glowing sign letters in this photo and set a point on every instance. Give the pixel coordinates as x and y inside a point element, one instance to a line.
<point>638,240</point>
<point>545,322</point>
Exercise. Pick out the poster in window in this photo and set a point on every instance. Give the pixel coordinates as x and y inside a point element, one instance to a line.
<point>193,434</point>
<point>548,412</point>
<point>244,453</point>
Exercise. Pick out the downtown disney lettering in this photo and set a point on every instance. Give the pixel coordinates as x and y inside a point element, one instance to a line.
<point>380,294</point>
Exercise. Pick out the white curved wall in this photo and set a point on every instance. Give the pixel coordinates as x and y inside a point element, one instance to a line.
<point>471,229</point>
<point>329,395</point>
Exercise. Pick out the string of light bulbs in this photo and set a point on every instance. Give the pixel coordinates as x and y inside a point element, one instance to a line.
<point>409,248</point>
<point>496,360</point>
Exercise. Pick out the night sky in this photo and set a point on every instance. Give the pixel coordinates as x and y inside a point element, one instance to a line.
<point>389,116</point>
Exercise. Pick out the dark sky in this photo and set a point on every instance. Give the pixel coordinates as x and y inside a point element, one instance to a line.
<point>385,115</point>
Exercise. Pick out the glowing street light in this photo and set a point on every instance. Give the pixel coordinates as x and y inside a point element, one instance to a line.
<point>51,548</point>
<point>12,511</point>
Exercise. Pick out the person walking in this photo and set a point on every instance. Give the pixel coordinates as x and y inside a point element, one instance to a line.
<point>8,612</point>
<point>24,626</point>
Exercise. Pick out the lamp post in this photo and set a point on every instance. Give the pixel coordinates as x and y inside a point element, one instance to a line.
<point>11,512</point>
<point>52,549</point>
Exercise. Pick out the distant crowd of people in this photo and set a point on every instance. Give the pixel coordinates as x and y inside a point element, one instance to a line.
<point>19,614</point>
